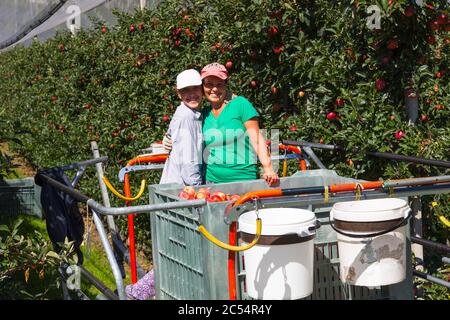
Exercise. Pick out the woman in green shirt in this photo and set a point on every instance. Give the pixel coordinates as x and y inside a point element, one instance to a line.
<point>231,133</point>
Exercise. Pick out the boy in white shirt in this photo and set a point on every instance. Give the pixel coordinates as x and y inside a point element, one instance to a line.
<point>184,165</point>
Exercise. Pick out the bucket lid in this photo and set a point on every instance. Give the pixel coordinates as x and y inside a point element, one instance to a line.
<point>370,210</point>
<point>277,221</point>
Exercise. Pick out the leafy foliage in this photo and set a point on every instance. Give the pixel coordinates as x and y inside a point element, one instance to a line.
<point>28,266</point>
<point>115,85</point>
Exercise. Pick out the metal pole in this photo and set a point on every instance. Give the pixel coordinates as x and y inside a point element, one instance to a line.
<point>313,156</point>
<point>301,143</point>
<point>431,278</point>
<point>399,157</point>
<point>121,210</point>
<point>417,249</point>
<point>104,191</point>
<point>415,181</point>
<point>110,255</point>
<point>432,244</point>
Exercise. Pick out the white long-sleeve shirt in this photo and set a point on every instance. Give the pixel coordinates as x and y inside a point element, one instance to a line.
<point>184,165</point>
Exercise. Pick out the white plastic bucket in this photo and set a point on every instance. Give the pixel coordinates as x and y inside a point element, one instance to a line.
<point>367,259</point>
<point>280,266</point>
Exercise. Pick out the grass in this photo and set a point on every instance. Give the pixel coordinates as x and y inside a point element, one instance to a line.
<point>96,262</point>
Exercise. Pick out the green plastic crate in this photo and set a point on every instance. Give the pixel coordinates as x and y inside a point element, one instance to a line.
<point>19,196</point>
<point>188,266</point>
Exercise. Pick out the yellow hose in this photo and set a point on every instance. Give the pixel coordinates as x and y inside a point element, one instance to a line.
<point>110,187</point>
<point>444,221</point>
<point>226,246</point>
<point>441,217</point>
<point>284,174</point>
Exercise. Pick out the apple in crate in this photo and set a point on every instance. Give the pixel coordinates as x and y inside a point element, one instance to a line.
<point>183,195</point>
<point>201,195</point>
<point>190,191</point>
<point>215,198</point>
<point>204,191</point>
<point>221,195</point>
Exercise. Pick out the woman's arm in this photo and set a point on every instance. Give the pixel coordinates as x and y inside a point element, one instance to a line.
<point>259,145</point>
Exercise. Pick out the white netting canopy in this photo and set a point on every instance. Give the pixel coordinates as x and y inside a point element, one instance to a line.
<point>21,21</point>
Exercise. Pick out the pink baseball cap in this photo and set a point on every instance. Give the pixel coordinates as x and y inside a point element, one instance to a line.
<point>214,69</point>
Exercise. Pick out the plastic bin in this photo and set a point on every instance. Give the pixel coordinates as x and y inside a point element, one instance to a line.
<point>18,196</point>
<point>188,266</point>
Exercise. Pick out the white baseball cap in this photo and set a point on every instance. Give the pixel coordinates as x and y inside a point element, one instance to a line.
<point>188,78</point>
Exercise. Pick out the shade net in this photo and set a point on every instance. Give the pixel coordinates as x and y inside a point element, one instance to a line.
<point>21,21</point>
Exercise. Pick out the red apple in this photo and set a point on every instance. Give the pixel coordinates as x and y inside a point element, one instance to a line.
<point>190,191</point>
<point>221,195</point>
<point>215,198</point>
<point>274,90</point>
<point>201,195</point>
<point>104,30</point>
<point>392,44</point>
<point>277,50</point>
<point>132,28</point>
<point>141,26</point>
<point>431,40</point>
<point>399,134</point>
<point>293,128</point>
<point>331,115</point>
<point>409,12</point>
<point>165,118</point>
<point>204,191</point>
<point>434,26</point>
<point>380,84</point>
<point>339,102</point>
<point>273,30</point>
<point>229,65</point>
<point>442,19</point>
<point>183,195</point>
<point>177,42</point>
<point>439,74</point>
<point>253,84</point>
<point>424,118</point>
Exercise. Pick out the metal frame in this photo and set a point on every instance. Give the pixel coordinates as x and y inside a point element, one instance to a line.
<point>118,251</point>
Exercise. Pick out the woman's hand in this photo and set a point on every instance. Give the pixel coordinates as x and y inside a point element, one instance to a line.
<point>271,177</point>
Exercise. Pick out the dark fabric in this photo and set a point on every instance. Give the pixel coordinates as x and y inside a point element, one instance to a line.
<point>62,216</point>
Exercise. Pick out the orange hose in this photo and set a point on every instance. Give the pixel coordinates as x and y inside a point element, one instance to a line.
<point>232,262</point>
<point>352,186</point>
<point>127,191</point>
<point>296,150</point>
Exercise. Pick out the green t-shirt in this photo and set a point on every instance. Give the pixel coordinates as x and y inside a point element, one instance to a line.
<point>229,155</point>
